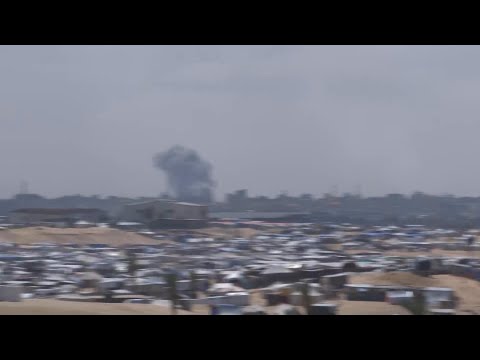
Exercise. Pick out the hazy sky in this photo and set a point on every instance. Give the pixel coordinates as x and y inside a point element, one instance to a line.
<point>88,119</point>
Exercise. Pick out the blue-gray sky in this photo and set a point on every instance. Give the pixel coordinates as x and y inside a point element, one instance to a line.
<point>88,119</point>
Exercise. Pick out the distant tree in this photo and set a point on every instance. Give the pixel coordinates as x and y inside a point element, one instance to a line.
<point>418,306</point>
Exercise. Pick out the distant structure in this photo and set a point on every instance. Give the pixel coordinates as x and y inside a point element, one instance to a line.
<point>59,217</point>
<point>238,197</point>
<point>164,213</point>
<point>283,217</point>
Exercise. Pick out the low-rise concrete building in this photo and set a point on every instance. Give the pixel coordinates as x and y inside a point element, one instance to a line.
<point>166,213</point>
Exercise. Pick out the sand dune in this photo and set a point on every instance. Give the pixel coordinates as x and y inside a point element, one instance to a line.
<point>467,290</point>
<point>74,236</point>
<point>56,307</point>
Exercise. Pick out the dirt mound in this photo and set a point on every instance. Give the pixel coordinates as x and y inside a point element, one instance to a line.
<point>56,307</point>
<point>467,290</point>
<point>395,278</point>
<point>369,308</point>
<point>225,232</point>
<point>107,236</point>
<point>437,252</point>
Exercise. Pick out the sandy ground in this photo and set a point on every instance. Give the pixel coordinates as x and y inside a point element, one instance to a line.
<point>56,307</point>
<point>346,307</point>
<point>95,235</point>
<point>220,232</point>
<point>394,278</point>
<point>434,252</point>
<point>438,252</point>
<point>74,236</point>
<point>369,308</point>
<point>467,290</point>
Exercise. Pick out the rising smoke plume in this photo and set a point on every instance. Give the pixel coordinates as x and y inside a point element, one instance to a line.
<point>189,176</point>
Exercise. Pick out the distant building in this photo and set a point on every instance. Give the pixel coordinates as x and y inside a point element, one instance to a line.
<point>34,216</point>
<point>166,213</point>
<point>262,216</point>
<point>237,197</point>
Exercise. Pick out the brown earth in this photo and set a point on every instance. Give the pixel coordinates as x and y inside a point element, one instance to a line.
<point>345,307</point>
<point>437,252</point>
<point>434,252</point>
<point>56,307</point>
<point>221,232</point>
<point>467,290</point>
<point>369,308</point>
<point>95,235</point>
<point>394,278</point>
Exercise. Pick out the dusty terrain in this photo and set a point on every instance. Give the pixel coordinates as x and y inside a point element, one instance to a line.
<point>467,290</point>
<point>56,307</point>
<point>74,236</point>
<point>435,252</point>
<point>394,278</point>
<point>345,307</point>
<point>226,232</point>
<point>369,308</point>
<point>97,235</point>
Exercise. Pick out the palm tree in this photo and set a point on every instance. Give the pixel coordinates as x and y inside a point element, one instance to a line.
<point>418,306</point>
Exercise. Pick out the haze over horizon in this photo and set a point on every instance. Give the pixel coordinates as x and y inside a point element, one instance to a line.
<point>303,119</point>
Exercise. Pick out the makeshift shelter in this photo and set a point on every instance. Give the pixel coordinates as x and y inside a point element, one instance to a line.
<point>254,310</point>
<point>322,309</point>
<point>285,309</point>
<point>225,310</point>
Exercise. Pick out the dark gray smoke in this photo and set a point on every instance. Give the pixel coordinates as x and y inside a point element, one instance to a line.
<point>189,176</point>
